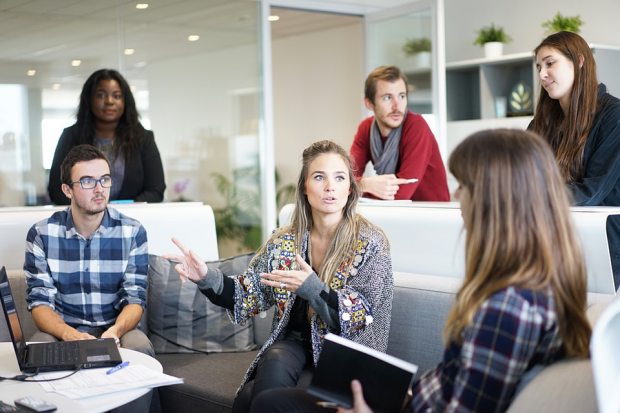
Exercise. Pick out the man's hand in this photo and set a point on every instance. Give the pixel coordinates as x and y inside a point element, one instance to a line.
<point>382,186</point>
<point>76,335</point>
<point>359,404</point>
<point>112,333</point>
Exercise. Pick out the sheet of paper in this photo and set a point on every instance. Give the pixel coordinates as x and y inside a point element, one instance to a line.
<point>95,382</point>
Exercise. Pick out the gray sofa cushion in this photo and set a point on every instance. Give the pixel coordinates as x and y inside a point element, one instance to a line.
<point>421,305</point>
<point>182,320</point>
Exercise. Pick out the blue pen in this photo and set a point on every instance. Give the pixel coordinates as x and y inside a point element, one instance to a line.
<point>117,368</point>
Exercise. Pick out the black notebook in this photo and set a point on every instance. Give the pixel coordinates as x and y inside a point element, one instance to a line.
<point>385,379</point>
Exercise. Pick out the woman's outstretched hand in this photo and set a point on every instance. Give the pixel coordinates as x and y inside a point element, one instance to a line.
<point>359,404</point>
<point>190,265</point>
<point>288,280</point>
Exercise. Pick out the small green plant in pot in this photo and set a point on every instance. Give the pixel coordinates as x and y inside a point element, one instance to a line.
<point>415,46</point>
<point>561,23</point>
<point>420,50</point>
<point>493,39</point>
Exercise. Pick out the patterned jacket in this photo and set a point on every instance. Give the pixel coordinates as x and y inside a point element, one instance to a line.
<point>364,284</point>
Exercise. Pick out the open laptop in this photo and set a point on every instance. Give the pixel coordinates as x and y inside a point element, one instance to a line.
<point>63,355</point>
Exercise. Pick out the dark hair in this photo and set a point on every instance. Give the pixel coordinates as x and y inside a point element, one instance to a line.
<point>79,153</point>
<point>519,231</point>
<point>129,130</point>
<point>567,135</point>
<point>387,73</point>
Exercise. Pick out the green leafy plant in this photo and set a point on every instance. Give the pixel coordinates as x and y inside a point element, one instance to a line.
<point>414,46</point>
<point>561,23</point>
<point>492,34</point>
<point>240,219</point>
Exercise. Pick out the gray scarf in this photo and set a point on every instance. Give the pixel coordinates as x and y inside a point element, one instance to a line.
<point>385,157</point>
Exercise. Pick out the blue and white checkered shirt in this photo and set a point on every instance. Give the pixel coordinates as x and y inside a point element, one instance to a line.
<point>87,281</point>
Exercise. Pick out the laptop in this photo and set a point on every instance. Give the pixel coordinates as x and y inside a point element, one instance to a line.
<point>63,355</point>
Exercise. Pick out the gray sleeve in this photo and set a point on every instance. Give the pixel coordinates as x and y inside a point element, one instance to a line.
<point>214,280</point>
<point>317,293</point>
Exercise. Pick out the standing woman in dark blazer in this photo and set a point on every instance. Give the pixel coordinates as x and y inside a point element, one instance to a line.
<point>107,118</point>
<point>581,122</point>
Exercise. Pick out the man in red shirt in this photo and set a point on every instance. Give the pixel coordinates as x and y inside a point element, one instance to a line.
<point>398,142</point>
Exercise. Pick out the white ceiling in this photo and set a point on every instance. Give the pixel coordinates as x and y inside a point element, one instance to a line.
<point>46,35</point>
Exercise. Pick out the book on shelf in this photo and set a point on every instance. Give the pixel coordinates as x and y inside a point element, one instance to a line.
<point>386,380</point>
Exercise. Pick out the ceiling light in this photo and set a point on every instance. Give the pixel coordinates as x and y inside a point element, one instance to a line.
<point>142,6</point>
<point>31,72</point>
<point>56,86</point>
<point>273,18</point>
<point>133,88</point>
<point>76,63</point>
<point>129,52</point>
<point>193,37</point>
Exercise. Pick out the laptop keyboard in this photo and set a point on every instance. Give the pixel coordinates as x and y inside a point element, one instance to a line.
<point>63,352</point>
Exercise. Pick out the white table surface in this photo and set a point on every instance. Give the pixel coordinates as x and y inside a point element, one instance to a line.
<point>11,390</point>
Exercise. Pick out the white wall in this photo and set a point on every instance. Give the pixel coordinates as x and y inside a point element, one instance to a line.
<point>194,116</point>
<point>318,92</point>
<point>523,20</point>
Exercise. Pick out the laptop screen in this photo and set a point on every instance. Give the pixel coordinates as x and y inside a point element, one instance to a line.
<point>12,320</point>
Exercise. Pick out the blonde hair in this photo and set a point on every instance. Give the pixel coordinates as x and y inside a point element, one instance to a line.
<point>518,231</point>
<point>347,233</point>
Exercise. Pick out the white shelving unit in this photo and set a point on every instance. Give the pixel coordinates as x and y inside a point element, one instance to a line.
<point>472,86</point>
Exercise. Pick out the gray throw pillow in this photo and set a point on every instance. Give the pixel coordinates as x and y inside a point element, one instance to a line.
<point>182,320</point>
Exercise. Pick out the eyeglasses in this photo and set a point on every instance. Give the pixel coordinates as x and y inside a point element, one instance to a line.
<point>91,183</point>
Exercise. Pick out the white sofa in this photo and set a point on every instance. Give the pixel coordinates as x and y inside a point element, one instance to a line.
<point>428,238</point>
<point>192,222</point>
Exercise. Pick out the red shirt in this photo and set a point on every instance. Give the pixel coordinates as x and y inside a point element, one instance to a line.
<point>418,157</point>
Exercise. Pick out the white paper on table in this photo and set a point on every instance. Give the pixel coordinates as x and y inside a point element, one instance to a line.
<point>95,382</point>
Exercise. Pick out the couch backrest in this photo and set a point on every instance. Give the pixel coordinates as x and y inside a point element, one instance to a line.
<point>428,238</point>
<point>191,222</point>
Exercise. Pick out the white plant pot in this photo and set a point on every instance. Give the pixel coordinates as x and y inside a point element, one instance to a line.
<point>493,50</point>
<point>422,59</point>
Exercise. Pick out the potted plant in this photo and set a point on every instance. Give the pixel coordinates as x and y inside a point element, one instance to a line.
<point>420,50</point>
<point>493,39</point>
<point>561,23</point>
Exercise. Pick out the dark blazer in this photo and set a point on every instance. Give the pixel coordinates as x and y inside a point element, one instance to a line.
<point>144,173</point>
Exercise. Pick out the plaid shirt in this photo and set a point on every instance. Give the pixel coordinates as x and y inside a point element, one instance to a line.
<point>87,281</point>
<point>514,330</point>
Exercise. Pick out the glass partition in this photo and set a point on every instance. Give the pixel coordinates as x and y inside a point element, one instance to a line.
<point>406,40</point>
<point>194,69</point>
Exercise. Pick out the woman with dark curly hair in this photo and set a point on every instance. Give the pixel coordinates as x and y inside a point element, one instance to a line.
<point>107,118</point>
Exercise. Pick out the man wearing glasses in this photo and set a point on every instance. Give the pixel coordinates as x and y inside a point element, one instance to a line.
<point>86,266</point>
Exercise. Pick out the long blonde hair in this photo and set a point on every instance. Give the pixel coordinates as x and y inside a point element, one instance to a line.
<point>519,230</point>
<point>347,233</point>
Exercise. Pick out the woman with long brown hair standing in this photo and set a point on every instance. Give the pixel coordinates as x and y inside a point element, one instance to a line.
<point>581,122</point>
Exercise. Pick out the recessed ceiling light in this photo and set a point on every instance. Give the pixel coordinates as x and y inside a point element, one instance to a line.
<point>133,88</point>
<point>273,18</point>
<point>31,72</point>
<point>193,37</point>
<point>129,52</point>
<point>142,6</point>
<point>76,63</point>
<point>56,86</point>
